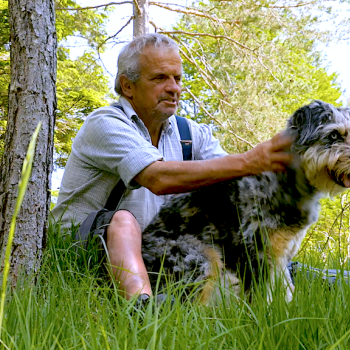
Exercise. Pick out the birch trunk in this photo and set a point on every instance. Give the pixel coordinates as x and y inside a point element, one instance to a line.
<point>32,98</point>
<point>141,17</point>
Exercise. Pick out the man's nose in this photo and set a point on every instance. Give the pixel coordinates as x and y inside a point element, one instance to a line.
<point>173,86</point>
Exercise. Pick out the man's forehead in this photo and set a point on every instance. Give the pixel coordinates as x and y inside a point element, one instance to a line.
<point>158,57</point>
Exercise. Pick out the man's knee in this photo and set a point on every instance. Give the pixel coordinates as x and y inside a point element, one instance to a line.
<point>124,222</point>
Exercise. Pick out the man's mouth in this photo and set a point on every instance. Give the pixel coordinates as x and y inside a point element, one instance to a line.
<point>341,180</point>
<point>169,100</point>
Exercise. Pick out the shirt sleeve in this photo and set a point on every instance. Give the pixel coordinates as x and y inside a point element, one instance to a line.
<point>110,142</point>
<point>205,145</point>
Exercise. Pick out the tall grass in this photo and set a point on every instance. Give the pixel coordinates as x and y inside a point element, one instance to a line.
<point>22,187</point>
<point>73,306</point>
<point>70,307</point>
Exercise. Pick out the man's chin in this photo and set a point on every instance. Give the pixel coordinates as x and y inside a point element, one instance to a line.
<point>166,112</point>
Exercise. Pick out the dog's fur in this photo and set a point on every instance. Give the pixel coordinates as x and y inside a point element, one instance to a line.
<point>254,221</point>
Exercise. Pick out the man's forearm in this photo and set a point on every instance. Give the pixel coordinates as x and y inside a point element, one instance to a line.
<point>177,177</point>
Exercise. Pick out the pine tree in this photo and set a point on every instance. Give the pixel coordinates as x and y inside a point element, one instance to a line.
<point>32,99</point>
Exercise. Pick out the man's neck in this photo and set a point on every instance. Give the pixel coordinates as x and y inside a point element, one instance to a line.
<point>153,123</point>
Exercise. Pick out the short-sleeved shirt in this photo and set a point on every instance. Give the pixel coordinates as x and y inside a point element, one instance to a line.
<point>112,145</point>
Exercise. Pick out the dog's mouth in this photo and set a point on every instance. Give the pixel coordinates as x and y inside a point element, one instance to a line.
<point>341,180</point>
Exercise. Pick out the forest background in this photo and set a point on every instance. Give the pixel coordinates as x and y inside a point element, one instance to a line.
<point>247,66</point>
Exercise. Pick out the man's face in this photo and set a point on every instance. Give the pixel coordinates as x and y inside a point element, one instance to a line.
<point>157,92</point>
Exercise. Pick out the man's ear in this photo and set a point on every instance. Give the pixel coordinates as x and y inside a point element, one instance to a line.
<point>126,86</point>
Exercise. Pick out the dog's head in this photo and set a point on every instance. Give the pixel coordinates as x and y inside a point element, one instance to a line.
<point>323,143</point>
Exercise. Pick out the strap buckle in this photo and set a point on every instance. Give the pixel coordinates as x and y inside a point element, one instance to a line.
<point>186,142</point>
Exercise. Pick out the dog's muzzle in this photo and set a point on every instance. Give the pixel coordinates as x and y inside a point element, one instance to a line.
<point>342,180</point>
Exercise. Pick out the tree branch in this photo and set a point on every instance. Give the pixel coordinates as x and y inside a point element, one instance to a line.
<point>291,6</point>
<point>110,37</point>
<point>208,35</point>
<point>232,128</point>
<point>137,7</point>
<point>117,33</point>
<point>279,7</point>
<point>263,65</point>
<point>201,105</point>
<point>212,84</point>
<point>191,11</point>
<point>94,7</point>
<point>226,38</point>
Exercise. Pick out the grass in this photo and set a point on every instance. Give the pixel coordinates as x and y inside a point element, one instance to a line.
<point>26,171</point>
<point>71,307</point>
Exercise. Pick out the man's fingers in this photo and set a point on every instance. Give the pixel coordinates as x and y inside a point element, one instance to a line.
<point>272,155</point>
<point>281,141</point>
<point>281,157</point>
<point>277,167</point>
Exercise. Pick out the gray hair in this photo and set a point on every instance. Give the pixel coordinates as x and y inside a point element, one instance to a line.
<point>129,57</point>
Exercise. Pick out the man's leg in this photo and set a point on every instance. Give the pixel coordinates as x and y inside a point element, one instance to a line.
<point>124,249</point>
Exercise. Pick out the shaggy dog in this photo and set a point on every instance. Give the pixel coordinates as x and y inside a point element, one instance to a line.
<point>254,224</point>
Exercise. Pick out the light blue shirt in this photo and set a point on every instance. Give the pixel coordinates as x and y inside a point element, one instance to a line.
<point>112,145</point>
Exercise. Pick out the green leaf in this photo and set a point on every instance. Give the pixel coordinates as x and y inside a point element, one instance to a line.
<point>22,187</point>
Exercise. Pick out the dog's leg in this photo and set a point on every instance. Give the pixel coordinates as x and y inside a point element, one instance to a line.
<point>283,247</point>
<point>186,258</point>
<point>228,284</point>
<point>281,274</point>
<point>213,275</point>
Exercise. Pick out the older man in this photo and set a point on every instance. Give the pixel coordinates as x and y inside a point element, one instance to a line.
<point>139,142</point>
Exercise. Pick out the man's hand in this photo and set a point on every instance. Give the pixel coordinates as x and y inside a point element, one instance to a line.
<point>270,155</point>
<point>172,177</point>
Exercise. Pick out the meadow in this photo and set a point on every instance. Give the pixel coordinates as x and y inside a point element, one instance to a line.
<point>70,305</point>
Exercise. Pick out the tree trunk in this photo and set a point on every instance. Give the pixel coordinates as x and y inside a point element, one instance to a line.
<point>141,17</point>
<point>32,98</point>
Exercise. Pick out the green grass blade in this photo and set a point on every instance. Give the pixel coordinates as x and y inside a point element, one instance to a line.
<point>26,171</point>
<point>337,343</point>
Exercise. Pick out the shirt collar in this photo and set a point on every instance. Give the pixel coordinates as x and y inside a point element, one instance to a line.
<point>128,110</point>
<point>168,124</point>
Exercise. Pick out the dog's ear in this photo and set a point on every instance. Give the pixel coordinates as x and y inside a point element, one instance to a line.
<point>299,123</point>
<point>307,119</point>
<point>298,119</point>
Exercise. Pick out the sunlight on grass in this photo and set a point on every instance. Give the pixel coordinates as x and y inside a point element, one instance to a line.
<point>72,306</point>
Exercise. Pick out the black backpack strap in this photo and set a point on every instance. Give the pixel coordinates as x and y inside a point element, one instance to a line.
<point>117,193</point>
<point>116,105</point>
<point>185,135</point>
<point>116,196</point>
<point>186,141</point>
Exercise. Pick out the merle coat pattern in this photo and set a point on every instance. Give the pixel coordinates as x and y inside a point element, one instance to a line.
<point>253,221</point>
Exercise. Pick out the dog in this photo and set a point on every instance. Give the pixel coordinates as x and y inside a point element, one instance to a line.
<point>233,231</point>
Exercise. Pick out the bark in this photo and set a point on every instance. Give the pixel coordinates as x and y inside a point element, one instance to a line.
<point>141,17</point>
<point>32,98</point>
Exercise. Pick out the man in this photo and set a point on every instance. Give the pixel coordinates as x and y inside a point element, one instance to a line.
<point>140,144</point>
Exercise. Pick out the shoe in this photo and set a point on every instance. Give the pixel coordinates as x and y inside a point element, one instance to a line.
<point>143,300</point>
<point>162,298</point>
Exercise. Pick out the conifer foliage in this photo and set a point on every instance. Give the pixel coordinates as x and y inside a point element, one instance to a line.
<point>249,65</point>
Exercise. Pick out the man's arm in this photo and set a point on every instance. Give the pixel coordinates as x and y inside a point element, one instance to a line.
<point>177,176</point>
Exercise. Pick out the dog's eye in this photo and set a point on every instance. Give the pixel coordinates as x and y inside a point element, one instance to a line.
<point>334,135</point>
